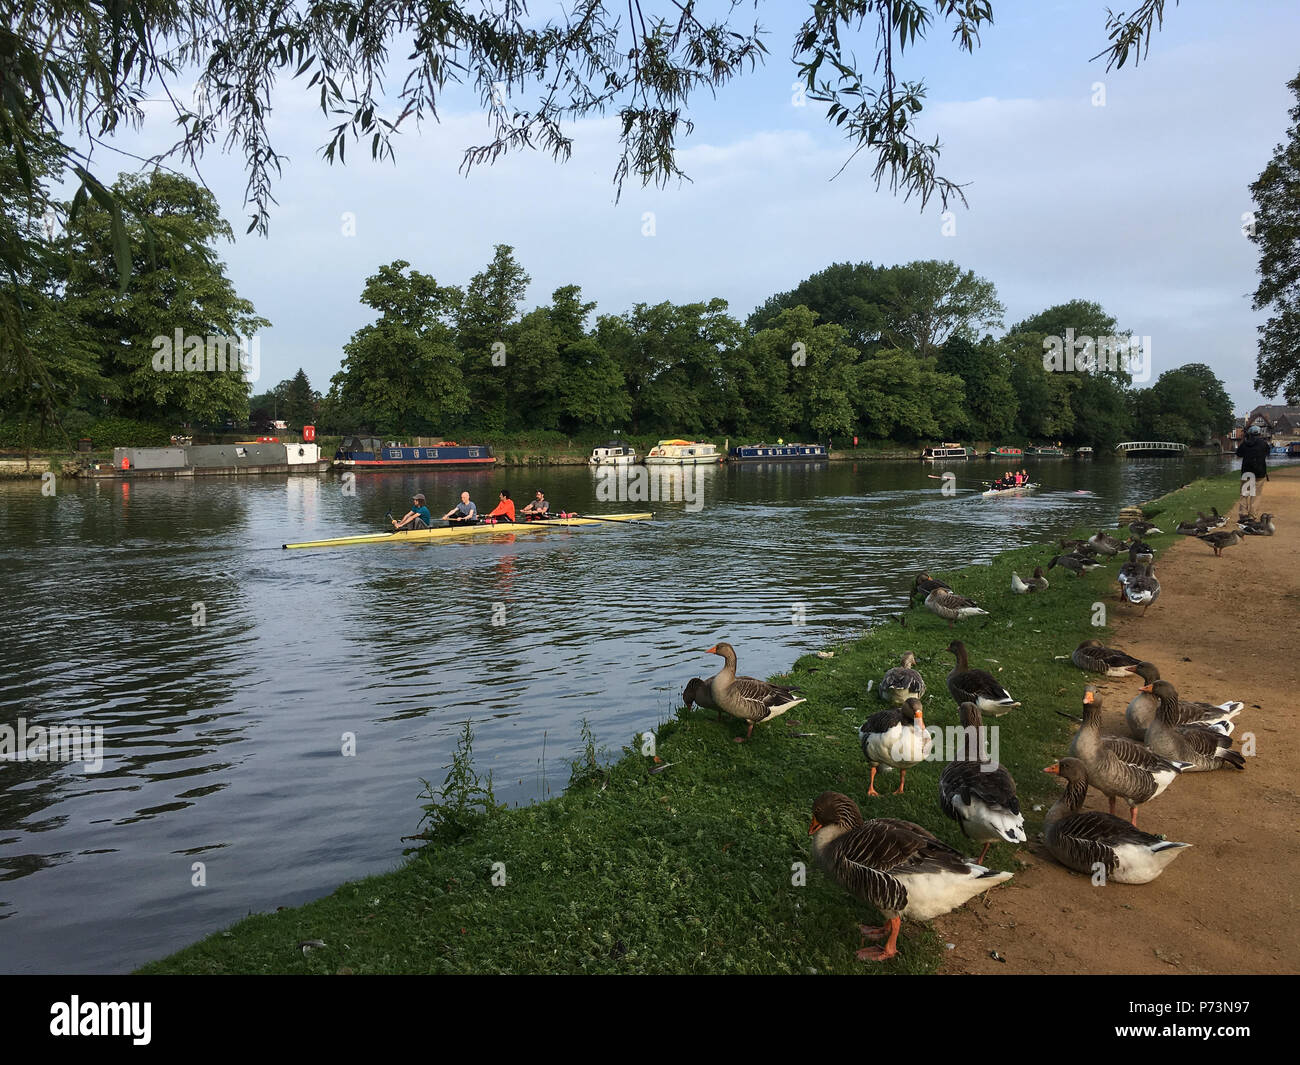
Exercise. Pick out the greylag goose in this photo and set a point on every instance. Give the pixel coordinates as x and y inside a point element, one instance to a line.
<point>898,867</point>
<point>1076,565</point>
<point>902,682</point>
<point>1143,589</point>
<point>1142,708</point>
<point>1105,544</point>
<point>952,607</point>
<point>1142,528</point>
<point>1204,748</point>
<point>1131,568</point>
<point>967,685</point>
<point>925,584</point>
<point>1036,583</point>
<point>1141,551</point>
<point>1216,521</point>
<point>896,737</point>
<point>1261,526</point>
<point>1191,528</point>
<point>1220,540</point>
<point>1116,766</point>
<point>1093,657</point>
<point>980,797</point>
<point>697,694</point>
<point>1083,839</point>
<point>746,698</point>
<point>1081,548</point>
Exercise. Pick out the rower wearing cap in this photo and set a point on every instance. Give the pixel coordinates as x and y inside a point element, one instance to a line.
<point>463,513</point>
<point>538,508</point>
<point>505,510</point>
<point>418,517</point>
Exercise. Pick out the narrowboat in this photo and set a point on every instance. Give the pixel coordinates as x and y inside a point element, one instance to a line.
<point>1083,453</point>
<point>370,452</point>
<point>1046,452</point>
<point>777,453</point>
<point>197,460</point>
<point>946,452</point>
<point>1007,453</point>
<point>613,454</point>
<point>682,453</point>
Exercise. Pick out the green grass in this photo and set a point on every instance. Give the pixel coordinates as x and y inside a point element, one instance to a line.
<point>690,869</point>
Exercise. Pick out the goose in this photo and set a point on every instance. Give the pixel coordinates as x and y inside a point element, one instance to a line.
<point>1143,590</point>
<point>896,866</point>
<point>1142,528</point>
<point>924,584</point>
<point>749,699</point>
<point>1105,544</point>
<point>1036,583</point>
<point>902,682</point>
<point>1081,548</point>
<point>1191,528</point>
<point>1220,540</point>
<point>1142,708</point>
<point>1117,766</point>
<point>967,685</point>
<point>1093,657</point>
<point>1215,521</point>
<point>1261,526</point>
<point>895,737</point>
<point>1140,551</point>
<point>951,606</point>
<point>1204,748</point>
<point>979,796</point>
<point>697,694</point>
<point>1083,839</point>
<point>1131,568</point>
<point>1077,566</point>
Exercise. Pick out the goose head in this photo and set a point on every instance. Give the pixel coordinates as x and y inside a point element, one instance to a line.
<point>831,809</point>
<point>695,688</point>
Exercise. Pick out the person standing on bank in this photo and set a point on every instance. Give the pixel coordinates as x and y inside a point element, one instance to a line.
<point>1253,452</point>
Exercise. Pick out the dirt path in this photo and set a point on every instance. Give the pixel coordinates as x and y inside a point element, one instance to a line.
<point>1222,629</point>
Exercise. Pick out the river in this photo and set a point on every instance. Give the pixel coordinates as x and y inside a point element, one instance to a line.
<point>227,673</point>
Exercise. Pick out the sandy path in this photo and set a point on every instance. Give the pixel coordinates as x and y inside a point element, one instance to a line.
<point>1222,629</point>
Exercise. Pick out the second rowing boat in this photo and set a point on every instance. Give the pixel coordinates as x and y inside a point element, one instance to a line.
<point>419,536</point>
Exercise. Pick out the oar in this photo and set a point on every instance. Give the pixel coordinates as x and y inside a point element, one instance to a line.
<point>615,521</point>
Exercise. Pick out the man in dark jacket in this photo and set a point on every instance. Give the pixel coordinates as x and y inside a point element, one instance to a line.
<point>1253,452</point>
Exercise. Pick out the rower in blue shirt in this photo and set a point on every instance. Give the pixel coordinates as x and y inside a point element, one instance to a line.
<point>418,517</point>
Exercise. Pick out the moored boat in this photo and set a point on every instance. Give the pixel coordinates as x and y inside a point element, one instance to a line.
<point>194,460</point>
<point>1046,452</point>
<point>776,453</point>
<point>682,453</point>
<point>420,536</point>
<point>947,452</point>
<point>1007,453</point>
<point>613,454</point>
<point>370,452</point>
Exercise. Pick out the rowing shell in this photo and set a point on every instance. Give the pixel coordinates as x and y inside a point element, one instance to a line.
<point>1014,490</point>
<point>420,536</point>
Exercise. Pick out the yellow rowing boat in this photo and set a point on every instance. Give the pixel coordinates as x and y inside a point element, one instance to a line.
<point>420,536</point>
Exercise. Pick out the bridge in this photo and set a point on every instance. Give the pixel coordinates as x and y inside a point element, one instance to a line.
<point>1150,445</point>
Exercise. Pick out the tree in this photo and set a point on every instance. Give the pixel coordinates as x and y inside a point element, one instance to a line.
<point>402,374</point>
<point>485,329</point>
<point>1276,231</point>
<point>906,398</point>
<point>929,301</point>
<point>805,376</point>
<point>991,403</point>
<point>300,402</point>
<point>852,295</point>
<point>1188,405</point>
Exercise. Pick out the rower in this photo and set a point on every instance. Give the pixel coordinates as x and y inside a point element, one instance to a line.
<point>418,517</point>
<point>463,513</point>
<point>538,508</point>
<point>505,510</point>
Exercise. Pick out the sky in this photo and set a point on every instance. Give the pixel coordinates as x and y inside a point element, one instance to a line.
<point>1135,202</point>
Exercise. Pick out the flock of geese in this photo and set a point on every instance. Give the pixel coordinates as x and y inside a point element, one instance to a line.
<point>903,869</point>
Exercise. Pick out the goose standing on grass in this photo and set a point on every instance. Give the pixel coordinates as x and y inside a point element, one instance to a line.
<point>896,737</point>
<point>1092,656</point>
<point>1143,590</point>
<point>1083,839</point>
<point>1105,544</point>
<point>1142,708</point>
<point>1036,583</point>
<point>1220,540</point>
<point>1205,748</point>
<point>902,682</point>
<point>967,685</point>
<point>898,867</point>
<point>925,584</point>
<point>697,694</point>
<point>1116,766</point>
<point>952,607</point>
<point>746,698</point>
<point>980,797</point>
<point>1076,565</point>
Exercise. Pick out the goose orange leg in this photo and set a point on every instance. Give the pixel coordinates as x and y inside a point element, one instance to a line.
<point>872,932</point>
<point>901,781</point>
<point>748,732</point>
<point>984,852</point>
<point>1133,816</point>
<point>1112,806</point>
<point>871,784</point>
<point>888,950</point>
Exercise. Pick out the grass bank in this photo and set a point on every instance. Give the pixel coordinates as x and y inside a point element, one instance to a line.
<point>693,869</point>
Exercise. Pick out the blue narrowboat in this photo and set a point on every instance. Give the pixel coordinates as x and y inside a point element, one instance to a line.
<point>777,452</point>
<point>370,452</point>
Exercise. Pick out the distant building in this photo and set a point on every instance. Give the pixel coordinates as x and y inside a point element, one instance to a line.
<point>1276,420</point>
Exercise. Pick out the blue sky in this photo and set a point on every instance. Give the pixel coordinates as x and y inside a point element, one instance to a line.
<point>1136,204</point>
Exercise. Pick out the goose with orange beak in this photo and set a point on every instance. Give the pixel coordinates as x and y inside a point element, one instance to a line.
<point>897,738</point>
<point>896,866</point>
<point>747,698</point>
<point>1205,748</point>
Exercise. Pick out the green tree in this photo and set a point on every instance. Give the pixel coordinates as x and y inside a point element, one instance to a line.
<point>906,398</point>
<point>991,402</point>
<point>854,296</point>
<point>811,370</point>
<point>402,374</point>
<point>929,301</point>
<point>1043,411</point>
<point>485,327</point>
<point>177,288</point>
<point>1276,232</point>
<point>300,401</point>
<point>1188,405</point>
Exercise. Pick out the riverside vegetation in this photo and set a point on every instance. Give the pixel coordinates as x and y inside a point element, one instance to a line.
<point>638,868</point>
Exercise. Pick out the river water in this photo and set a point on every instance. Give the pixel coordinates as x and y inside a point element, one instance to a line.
<point>226,673</point>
